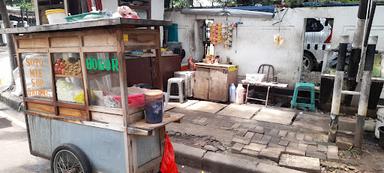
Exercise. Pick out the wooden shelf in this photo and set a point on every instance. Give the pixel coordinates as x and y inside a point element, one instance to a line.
<point>143,128</point>
<point>62,76</point>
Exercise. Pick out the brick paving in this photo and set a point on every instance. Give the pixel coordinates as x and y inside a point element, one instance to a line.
<point>265,140</point>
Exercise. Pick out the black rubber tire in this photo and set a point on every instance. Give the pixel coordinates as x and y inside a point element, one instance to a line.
<point>77,152</point>
<point>310,63</point>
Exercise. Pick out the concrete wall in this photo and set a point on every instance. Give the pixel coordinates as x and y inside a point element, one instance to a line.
<point>254,43</point>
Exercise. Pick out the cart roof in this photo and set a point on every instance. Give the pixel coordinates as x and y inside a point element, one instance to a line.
<point>86,24</point>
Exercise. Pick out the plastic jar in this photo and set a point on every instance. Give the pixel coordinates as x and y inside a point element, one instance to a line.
<point>154,105</point>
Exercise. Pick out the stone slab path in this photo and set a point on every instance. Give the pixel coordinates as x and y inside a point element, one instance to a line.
<point>275,116</point>
<point>240,111</point>
<point>205,106</point>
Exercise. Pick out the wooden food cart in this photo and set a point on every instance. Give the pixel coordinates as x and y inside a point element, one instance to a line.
<point>77,110</point>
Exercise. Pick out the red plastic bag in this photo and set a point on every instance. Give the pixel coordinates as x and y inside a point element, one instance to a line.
<point>168,163</point>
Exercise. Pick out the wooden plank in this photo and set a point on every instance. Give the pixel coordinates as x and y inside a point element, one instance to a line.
<point>64,41</point>
<point>201,85</point>
<point>141,38</point>
<point>85,24</point>
<point>107,118</point>
<point>99,39</point>
<point>72,112</point>
<point>41,108</point>
<point>39,50</point>
<point>167,118</point>
<point>64,49</point>
<point>103,109</point>
<point>218,86</point>
<point>33,43</point>
<point>100,49</point>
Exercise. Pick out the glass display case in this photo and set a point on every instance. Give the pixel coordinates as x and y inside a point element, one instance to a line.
<point>68,77</point>
<point>37,74</point>
<point>103,79</point>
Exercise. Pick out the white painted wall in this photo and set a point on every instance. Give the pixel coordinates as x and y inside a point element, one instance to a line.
<point>254,43</point>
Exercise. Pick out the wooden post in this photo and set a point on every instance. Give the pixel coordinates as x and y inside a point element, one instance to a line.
<point>128,152</point>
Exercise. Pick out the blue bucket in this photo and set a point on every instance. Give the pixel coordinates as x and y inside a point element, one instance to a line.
<point>154,106</point>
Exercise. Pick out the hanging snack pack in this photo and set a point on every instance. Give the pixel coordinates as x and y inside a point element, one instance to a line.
<point>228,35</point>
<point>216,31</point>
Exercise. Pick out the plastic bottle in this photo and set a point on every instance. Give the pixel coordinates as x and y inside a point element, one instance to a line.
<point>240,94</point>
<point>232,93</point>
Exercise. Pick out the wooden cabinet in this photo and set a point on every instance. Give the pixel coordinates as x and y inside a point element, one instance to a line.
<point>212,81</point>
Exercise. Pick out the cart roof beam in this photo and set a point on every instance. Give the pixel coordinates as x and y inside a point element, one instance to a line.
<point>86,24</point>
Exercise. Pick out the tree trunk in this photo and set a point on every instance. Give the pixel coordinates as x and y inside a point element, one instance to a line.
<point>9,37</point>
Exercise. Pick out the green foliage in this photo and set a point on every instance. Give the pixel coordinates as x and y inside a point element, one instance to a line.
<point>23,4</point>
<point>180,3</point>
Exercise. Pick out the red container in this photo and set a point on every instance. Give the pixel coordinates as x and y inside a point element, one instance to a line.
<point>134,100</point>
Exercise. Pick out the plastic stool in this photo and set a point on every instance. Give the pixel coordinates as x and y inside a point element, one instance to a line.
<point>302,86</point>
<point>180,82</point>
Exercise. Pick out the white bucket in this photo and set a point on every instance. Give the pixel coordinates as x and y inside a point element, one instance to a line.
<point>55,16</point>
<point>379,121</point>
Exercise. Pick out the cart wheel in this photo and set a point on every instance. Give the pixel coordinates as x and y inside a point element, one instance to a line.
<point>69,159</point>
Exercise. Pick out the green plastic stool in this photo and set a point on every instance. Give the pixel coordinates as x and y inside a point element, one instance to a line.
<point>303,86</point>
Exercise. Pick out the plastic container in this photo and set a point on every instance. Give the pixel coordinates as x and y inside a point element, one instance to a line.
<point>85,16</point>
<point>381,139</point>
<point>240,94</point>
<point>232,93</point>
<point>154,106</point>
<point>55,16</point>
<point>379,121</point>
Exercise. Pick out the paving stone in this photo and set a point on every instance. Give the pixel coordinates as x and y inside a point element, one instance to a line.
<point>250,152</point>
<point>271,153</point>
<point>262,167</point>
<point>303,146</point>
<point>210,148</point>
<point>249,135</point>
<point>283,142</point>
<point>265,140</point>
<point>277,146</point>
<point>258,129</point>
<point>275,116</point>
<point>309,142</point>
<point>322,148</point>
<point>291,135</point>
<point>236,125</point>
<point>294,151</point>
<point>282,133</point>
<point>254,146</point>
<point>257,137</point>
<point>237,147</point>
<point>308,138</point>
<point>242,140</point>
<point>200,121</point>
<point>205,106</point>
<point>273,132</point>
<point>316,154</point>
<point>241,132</point>
<point>275,140</point>
<point>301,163</point>
<point>311,148</point>
<point>239,111</point>
<point>300,136</point>
<point>293,144</point>
<point>333,153</point>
